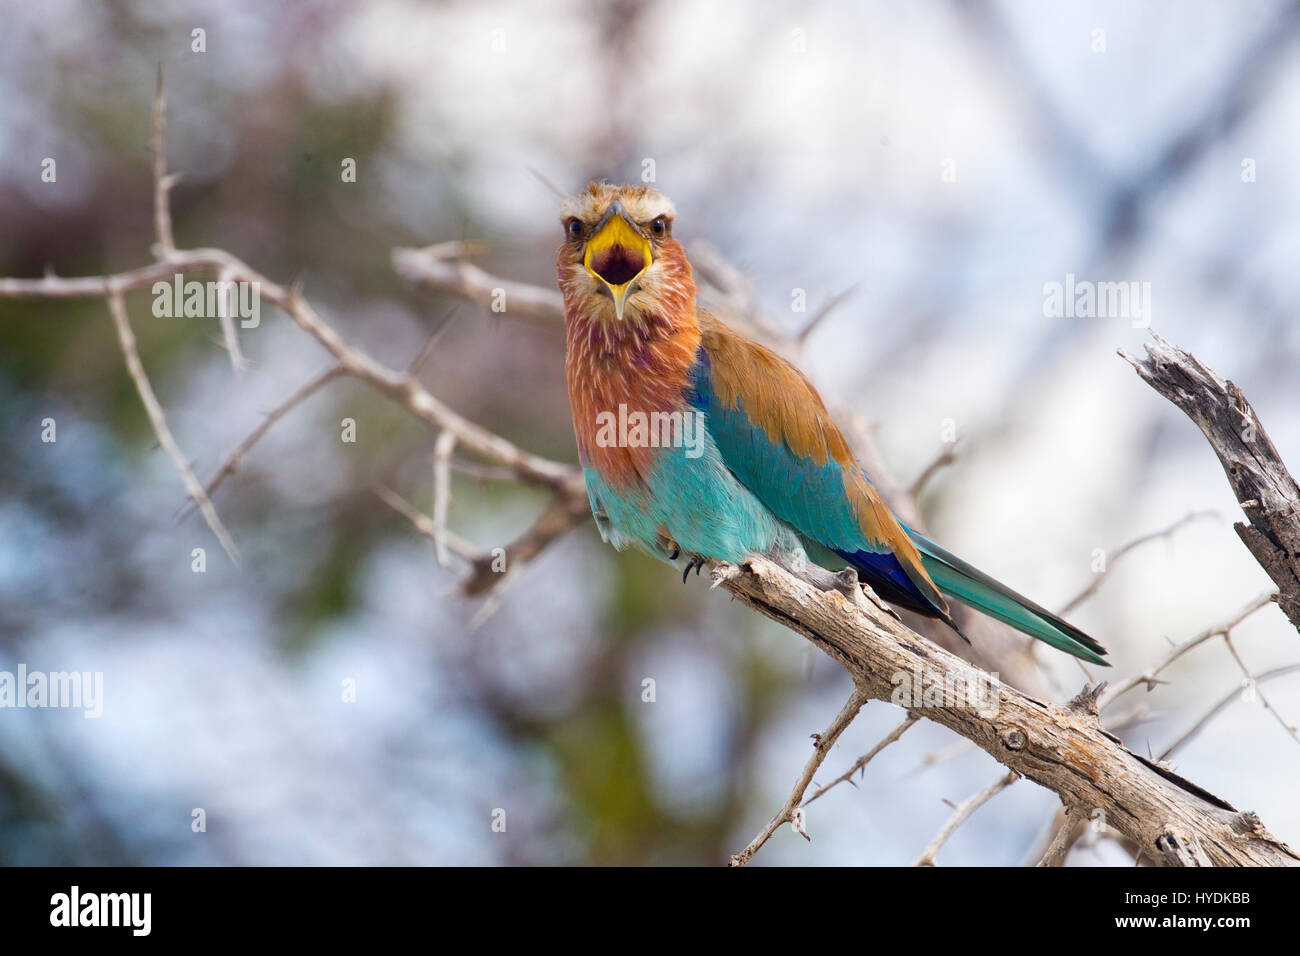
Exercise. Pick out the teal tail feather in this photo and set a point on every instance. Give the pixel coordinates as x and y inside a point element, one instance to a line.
<point>956,578</point>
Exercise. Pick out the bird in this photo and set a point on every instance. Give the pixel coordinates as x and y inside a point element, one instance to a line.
<point>696,442</point>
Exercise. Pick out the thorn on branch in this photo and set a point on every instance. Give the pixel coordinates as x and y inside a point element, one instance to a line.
<point>1085,702</point>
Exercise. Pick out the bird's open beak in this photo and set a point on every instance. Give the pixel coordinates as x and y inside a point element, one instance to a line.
<point>617,254</point>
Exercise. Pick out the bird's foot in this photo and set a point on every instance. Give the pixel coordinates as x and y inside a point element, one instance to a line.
<point>848,584</point>
<point>695,562</point>
<point>864,594</point>
<point>668,547</point>
<point>845,581</point>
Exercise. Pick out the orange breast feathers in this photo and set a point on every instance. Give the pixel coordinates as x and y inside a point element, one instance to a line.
<point>642,368</point>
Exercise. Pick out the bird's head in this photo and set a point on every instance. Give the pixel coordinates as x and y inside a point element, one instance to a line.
<point>619,261</point>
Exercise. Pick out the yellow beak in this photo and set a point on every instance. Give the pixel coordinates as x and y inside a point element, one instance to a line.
<point>617,255</point>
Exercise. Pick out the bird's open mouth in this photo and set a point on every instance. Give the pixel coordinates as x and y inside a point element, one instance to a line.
<point>617,255</point>
<point>617,265</point>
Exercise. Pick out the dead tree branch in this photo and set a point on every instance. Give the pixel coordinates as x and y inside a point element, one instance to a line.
<point>445,267</point>
<point>1063,748</point>
<point>1264,488</point>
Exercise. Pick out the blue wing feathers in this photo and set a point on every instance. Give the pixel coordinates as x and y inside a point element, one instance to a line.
<point>807,496</point>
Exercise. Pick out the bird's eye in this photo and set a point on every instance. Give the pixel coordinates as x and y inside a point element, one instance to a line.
<point>659,227</point>
<point>574,228</point>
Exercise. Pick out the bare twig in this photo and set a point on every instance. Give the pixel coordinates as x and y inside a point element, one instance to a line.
<point>482,472</point>
<point>1059,848</point>
<point>51,286</point>
<point>959,816</point>
<point>733,290</point>
<point>442,451</point>
<point>860,765</point>
<point>162,182</point>
<point>227,290</point>
<point>792,812</point>
<point>126,339</point>
<point>1218,708</point>
<point>431,343</point>
<point>1282,721</point>
<point>830,306</point>
<point>553,189</point>
<point>443,267</point>
<point>490,570</point>
<point>426,525</point>
<point>1148,677</point>
<point>566,510</point>
<point>941,461</point>
<point>943,755</point>
<point>236,457</point>
<point>1167,532</point>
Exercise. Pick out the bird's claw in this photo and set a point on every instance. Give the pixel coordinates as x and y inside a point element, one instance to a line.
<point>668,547</point>
<point>851,587</point>
<point>848,584</point>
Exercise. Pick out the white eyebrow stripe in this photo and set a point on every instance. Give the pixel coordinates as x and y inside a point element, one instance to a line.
<point>644,208</point>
